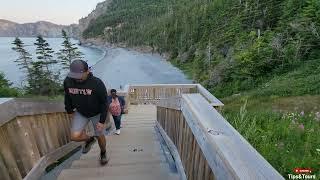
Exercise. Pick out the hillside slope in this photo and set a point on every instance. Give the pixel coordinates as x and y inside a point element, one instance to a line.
<point>230,46</point>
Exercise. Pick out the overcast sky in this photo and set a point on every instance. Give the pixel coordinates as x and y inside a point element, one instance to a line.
<point>56,11</point>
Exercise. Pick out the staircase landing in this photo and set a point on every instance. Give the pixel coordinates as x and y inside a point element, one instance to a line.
<point>134,155</point>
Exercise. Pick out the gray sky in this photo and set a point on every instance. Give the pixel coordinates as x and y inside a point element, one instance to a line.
<point>55,11</point>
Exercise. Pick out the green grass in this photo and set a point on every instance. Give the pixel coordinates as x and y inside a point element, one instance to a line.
<point>285,140</point>
<point>301,81</point>
<point>281,118</point>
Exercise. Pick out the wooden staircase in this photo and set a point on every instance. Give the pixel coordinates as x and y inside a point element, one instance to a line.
<point>134,155</point>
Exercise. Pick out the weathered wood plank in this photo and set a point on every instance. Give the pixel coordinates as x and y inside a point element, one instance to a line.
<point>173,151</point>
<point>208,96</point>
<point>4,174</point>
<point>24,107</point>
<point>8,156</point>
<point>48,159</point>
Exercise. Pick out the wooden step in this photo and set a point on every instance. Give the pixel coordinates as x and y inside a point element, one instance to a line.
<point>138,122</point>
<point>130,150</point>
<point>114,145</point>
<point>116,161</point>
<point>144,176</point>
<point>94,163</point>
<point>125,157</point>
<point>107,171</point>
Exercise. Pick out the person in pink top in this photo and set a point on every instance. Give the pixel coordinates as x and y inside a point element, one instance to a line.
<point>116,108</point>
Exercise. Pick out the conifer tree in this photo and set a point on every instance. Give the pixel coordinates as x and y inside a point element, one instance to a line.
<point>69,52</point>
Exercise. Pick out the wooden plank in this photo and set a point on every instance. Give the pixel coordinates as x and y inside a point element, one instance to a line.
<point>53,129</point>
<point>194,166</point>
<point>201,166</point>
<point>8,111</point>
<point>207,172</point>
<point>7,153</point>
<point>196,161</point>
<point>23,144</point>
<point>48,159</point>
<point>141,86</point>
<point>218,145</point>
<point>189,154</point>
<point>173,150</point>
<point>180,134</point>
<point>185,147</point>
<point>4,173</point>
<point>47,135</point>
<point>24,107</point>
<point>208,96</point>
<point>65,128</point>
<point>38,135</point>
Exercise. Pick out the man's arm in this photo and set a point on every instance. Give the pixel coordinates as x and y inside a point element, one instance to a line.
<point>102,98</point>
<point>67,100</point>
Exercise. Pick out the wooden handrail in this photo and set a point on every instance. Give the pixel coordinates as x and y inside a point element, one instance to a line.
<point>153,93</point>
<point>33,133</point>
<point>204,139</point>
<point>208,96</point>
<point>11,108</point>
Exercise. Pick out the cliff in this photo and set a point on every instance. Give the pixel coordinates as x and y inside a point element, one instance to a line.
<point>46,29</point>
<point>100,10</point>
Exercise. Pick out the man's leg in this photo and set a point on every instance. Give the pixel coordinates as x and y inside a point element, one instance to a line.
<point>101,140</point>
<point>102,143</point>
<point>78,133</point>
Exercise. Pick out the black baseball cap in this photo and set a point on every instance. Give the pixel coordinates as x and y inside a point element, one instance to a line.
<point>77,68</point>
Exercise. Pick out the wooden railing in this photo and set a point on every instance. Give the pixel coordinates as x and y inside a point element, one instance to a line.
<point>205,146</point>
<point>33,134</point>
<point>154,93</point>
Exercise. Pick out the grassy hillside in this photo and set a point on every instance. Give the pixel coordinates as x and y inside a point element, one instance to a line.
<point>262,58</point>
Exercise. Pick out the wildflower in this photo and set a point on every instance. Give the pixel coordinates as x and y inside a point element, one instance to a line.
<point>302,113</point>
<point>301,126</point>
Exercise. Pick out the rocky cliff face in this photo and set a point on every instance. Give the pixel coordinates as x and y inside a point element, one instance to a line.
<point>100,10</point>
<point>46,29</point>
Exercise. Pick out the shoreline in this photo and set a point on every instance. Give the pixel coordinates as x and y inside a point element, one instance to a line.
<point>141,49</point>
<point>101,48</point>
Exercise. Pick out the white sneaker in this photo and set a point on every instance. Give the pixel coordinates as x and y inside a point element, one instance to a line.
<point>117,132</point>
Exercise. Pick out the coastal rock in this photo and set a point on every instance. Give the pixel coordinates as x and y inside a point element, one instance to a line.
<point>46,29</point>
<point>101,8</point>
